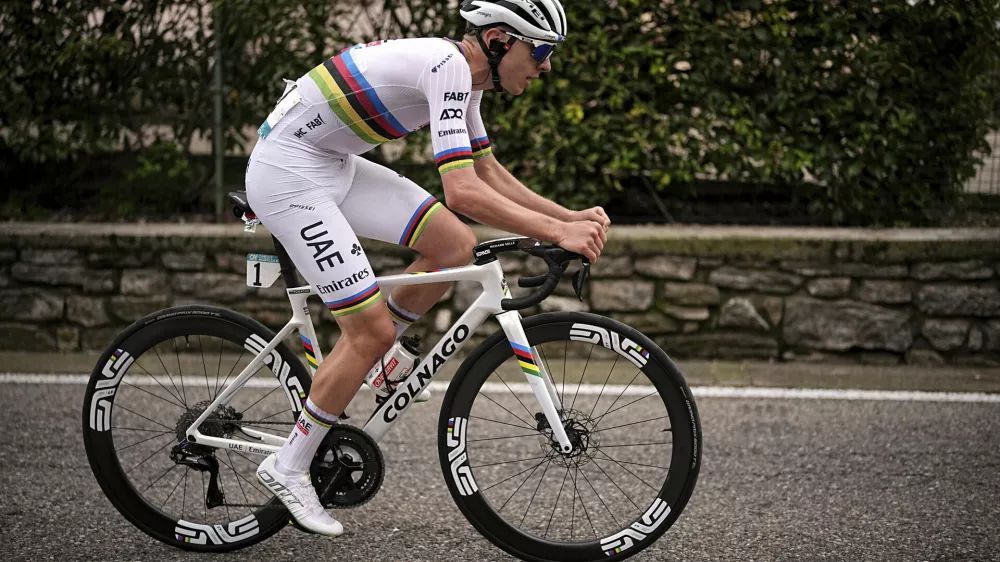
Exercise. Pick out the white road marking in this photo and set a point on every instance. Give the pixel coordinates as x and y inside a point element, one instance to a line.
<point>587,389</point>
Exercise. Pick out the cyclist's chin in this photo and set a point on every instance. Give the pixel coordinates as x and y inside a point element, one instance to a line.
<point>517,90</point>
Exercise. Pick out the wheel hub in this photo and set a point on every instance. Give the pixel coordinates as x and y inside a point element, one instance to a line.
<point>579,428</point>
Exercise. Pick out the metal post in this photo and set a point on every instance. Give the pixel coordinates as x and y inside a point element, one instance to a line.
<point>217,144</point>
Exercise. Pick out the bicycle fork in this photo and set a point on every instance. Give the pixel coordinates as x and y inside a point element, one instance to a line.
<point>538,378</point>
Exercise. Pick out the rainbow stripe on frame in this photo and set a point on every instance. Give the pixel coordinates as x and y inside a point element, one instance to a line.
<point>421,217</point>
<point>526,360</point>
<point>310,354</point>
<point>356,302</point>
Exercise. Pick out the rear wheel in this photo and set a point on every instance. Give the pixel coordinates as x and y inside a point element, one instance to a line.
<point>625,407</point>
<point>149,386</point>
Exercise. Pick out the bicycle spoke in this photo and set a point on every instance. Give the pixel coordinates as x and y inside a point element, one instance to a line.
<point>624,493</point>
<point>514,476</point>
<point>147,458</point>
<point>630,462</point>
<point>582,376</point>
<point>164,434</point>
<point>504,437</point>
<point>140,429</point>
<point>603,386</point>
<point>522,484</point>
<point>276,414</point>
<point>162,505</point>
<point>145,418</point>
<point>222,487</point>
<point>156,380</point>
<point>184,495</point>
<point>125,383</point>
<point>584,504</point>
<point>612,459</point>
<point>562,399</point>
<point>558,494</point>
<point>637,444</point>
<point>514,395</point>
<point>505,409</point>
<point>548,370</point>
<point>628,424</point>
<point>598,420</point>
<point>500,422</point>
<point>218,369</point>
<point>508,462</point>
<point>164,473</point>
<point>204,494</point>
<point>587,480</point>
<point>254,485</point>
<point>233,468</point>
<point>179,368</point>
<point>245,410</point>
<point>535,493</point>
<point>165,370</point>
<point>572,511</point>
<point>622,393</point>
<point>233,368</point>
<point>201,349</point>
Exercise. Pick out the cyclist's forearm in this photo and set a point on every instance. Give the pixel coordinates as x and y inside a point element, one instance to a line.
<point>486,206</point>
<point>497,177</point>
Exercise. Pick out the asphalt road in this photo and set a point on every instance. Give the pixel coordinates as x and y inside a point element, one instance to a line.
<point>782,479</point>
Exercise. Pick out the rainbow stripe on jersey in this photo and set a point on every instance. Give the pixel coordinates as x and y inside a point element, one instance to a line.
<point>453,159</point>
<point>354,100</point>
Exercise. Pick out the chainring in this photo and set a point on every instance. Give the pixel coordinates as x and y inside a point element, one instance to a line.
<point>348,468</point>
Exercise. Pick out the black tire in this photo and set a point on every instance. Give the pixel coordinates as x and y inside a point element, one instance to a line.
<point>468,413</point>
<point>109,414</point>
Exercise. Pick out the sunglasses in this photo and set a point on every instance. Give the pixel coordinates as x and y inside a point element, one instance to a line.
<point>540,50</point>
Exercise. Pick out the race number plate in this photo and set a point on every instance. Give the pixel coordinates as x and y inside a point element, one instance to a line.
<point>262,270</point>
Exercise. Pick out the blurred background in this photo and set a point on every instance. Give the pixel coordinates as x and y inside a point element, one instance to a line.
<point>852,112</point>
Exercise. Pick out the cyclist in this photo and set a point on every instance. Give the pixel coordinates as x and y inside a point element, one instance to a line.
<point>309,188</point>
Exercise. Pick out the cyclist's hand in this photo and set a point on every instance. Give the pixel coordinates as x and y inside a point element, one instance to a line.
<point>595,214</point>
<point>583,237</point>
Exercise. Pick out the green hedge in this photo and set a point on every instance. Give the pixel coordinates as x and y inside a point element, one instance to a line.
<point>871,112</point>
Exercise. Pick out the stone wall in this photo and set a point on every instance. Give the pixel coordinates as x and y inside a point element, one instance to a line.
<point>916,296</point>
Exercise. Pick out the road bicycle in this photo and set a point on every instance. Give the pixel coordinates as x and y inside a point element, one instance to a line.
<point>569,465</point>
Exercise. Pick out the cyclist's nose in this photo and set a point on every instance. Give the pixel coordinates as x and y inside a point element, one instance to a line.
<point>545,66</point>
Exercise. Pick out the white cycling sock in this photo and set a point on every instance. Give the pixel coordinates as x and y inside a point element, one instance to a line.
<point>308,434</point>
<point>401,318</point>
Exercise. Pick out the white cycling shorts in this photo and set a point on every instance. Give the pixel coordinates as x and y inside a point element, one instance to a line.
<point>318,203</point>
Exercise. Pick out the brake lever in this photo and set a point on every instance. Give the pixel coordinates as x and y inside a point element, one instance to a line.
<point>580,278</point>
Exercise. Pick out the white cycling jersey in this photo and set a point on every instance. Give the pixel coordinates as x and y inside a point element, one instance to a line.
<point>381,91</point>
<point>309,188</point>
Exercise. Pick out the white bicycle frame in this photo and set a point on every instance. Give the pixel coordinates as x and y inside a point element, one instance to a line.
<point>489,276</point>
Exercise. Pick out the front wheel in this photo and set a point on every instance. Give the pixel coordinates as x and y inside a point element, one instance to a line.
<point>631,419</point>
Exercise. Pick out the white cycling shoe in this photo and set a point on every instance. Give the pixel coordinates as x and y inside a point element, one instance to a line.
<point>297,493</point>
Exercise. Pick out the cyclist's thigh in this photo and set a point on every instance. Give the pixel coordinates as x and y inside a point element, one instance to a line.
<point>303,213</point>
<point>387,206</point>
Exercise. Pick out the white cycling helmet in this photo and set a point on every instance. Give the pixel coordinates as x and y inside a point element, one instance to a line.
<point>544,20</point>
<point>539,22</point>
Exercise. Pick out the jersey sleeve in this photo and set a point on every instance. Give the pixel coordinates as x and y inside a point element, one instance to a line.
<point>477,130</point>
<point>447,83</point>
